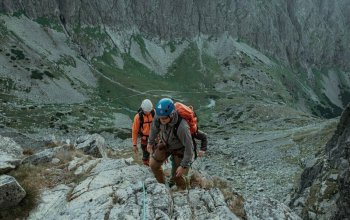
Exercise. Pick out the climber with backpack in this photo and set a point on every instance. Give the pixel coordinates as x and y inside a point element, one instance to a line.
<point>187,113</point>
<point>141,128</point>
<point>180,146</point>
<point>176,143</point>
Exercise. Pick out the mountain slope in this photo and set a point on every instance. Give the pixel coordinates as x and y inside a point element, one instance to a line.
<point>260,82</point>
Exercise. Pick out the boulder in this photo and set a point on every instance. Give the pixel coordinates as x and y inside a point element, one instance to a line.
<point>10,154</point>
<point>92,144</point>
<point>44,156</point>
<point>11,193</point>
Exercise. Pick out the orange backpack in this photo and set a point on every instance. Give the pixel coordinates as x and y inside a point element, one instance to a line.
<point>187,113</point>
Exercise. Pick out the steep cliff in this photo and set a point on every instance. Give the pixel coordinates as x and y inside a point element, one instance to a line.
<point>324,187</point>
<point>306,41</point>
<point>310,32</point>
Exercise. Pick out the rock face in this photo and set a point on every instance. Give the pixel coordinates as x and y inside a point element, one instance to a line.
<point>11,193</point>
<point>44,156</point>
<point>93,145</point>
<point>115,190</point>
<point>324,187</point>
<point>314,32</point>
<point>10,153</point>
<point>338,152</point>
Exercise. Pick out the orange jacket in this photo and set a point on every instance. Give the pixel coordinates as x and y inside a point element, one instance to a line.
<point>147,120</point>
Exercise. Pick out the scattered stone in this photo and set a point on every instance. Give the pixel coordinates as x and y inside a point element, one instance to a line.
<point>92,144</point>
<point>11,193</point>
<point>333,177</point>
<point>10,154</point>
<point>129,160</point>
<point>55,161</point>
<point>267,208</point>
<point>44,156</point>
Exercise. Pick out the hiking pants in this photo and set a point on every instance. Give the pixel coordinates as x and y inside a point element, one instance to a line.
<point>174,167</point>
<point>160,154</point>
<point>145,154</point>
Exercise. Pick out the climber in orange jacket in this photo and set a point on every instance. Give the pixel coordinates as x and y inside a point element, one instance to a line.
<point>141,128</point>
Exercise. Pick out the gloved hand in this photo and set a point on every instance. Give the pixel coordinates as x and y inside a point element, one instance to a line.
<point>180,171</point>
<point>201,153</point>
<point>135,149</point>
<point>149,148</point>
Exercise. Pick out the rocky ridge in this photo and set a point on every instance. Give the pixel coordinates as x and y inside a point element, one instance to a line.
<point>121,189</point>
<point>323,191</point>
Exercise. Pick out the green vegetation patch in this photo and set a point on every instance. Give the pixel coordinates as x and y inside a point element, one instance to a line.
<point>19,54</point>
<point>172,45</point>
<point>288,82</point>
<point>3,28</point>
<point>326,109</point>
<point>344,87</point>
<point>246,61</point>
<point>298,85</point>
<point>50,23</point>
<point>67,61</point>
<point>121,85</point>
<point>345,96</point>
<point>331,190</point>
<point>36,74</point>
<point>89,35</point>
<point>94,32</point>
<point>18,13</point>
<point>188,72</point>
<point>185,78</point>
<point>139,40</point>
<point>6,84</point>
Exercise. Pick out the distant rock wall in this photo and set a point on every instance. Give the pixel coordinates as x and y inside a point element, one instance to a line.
<point>313,32</point>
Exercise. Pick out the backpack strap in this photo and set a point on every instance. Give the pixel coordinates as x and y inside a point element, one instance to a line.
<point>141,119</point>
<point>175,128</point>
<point>140,112</point>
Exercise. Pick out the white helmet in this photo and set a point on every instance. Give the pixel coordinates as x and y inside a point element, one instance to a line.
<point>146,105</point>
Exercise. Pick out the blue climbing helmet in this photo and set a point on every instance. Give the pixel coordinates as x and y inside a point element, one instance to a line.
<point>165,107</point>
